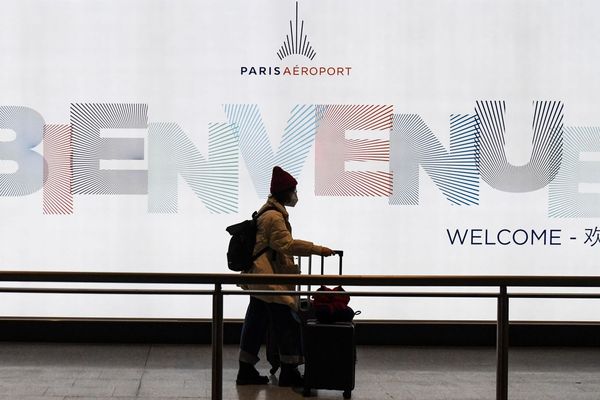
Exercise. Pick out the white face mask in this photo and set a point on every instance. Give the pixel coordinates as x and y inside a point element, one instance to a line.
<point>293,200</point>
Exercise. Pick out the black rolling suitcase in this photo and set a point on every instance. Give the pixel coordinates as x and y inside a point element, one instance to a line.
<point>329,352</point>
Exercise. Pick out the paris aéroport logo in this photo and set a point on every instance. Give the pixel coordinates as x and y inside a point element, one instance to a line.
<point>296,41</point>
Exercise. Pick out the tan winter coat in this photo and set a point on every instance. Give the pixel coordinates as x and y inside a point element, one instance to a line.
<point>274,230</point>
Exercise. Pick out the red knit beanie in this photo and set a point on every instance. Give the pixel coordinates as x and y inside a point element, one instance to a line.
<point>281,181</point>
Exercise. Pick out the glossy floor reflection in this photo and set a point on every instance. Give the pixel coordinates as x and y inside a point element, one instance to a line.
<point>76,371</point>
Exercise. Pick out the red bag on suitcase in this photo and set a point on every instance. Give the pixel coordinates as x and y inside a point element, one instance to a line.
<point>332,308</point>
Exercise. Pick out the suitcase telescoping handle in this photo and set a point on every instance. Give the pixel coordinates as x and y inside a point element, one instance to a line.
<point>339,253</point>
<point>335,252</point>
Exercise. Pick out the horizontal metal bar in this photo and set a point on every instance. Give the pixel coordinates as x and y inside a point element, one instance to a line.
<point>106,291</point>
<point>240,292</point>
<point>184,292</point>
<point>349,280</point>
<point>359,294</point>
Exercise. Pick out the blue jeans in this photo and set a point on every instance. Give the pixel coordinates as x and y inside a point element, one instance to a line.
<point>284,325</point>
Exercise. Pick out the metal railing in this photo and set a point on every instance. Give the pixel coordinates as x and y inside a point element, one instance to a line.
<point>502,283</point>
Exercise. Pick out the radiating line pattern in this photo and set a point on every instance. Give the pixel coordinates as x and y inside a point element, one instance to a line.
<point>367,150</point>
<point>454,172</point>
<point>546,153</point>
<point>87,119</point>
<point>58,198</point>
<point>296,142</point>
<point>564,198</point>
<point>28,126</point>
<point>214,179</point>
<point>332,150</point>
<point>296,42</point>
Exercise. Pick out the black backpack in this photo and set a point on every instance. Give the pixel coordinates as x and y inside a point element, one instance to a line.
<point>241,245</point>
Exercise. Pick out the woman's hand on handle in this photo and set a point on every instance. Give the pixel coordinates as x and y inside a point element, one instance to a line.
<point>326,251</point>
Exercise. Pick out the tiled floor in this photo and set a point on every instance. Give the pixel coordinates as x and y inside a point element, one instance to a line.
<point>75,371</point>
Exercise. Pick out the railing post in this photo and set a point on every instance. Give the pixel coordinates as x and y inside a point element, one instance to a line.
<point>502,346</point>
<point>217,344</point>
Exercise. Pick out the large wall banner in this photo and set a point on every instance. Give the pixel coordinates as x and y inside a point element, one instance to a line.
<point>455,137</point>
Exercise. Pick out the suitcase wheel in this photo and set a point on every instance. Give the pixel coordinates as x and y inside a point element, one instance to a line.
<point>347,394</point>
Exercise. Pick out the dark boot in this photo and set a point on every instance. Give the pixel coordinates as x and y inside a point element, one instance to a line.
<point>248,375</point>
<point>290,376</point>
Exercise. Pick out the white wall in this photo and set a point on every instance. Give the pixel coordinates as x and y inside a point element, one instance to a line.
<point>183,59</point>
